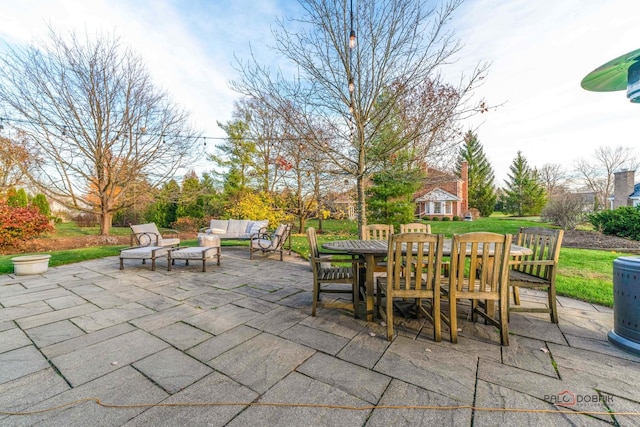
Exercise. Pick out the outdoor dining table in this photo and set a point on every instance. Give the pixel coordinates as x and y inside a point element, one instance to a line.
<point>371,250</point>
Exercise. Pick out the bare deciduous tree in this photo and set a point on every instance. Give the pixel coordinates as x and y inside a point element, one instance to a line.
<point>90,110</point>
<point>394,71</point>
<point>554,178</point>
<point>597,175</point>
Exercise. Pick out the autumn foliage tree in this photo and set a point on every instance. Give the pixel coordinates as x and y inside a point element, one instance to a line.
<point>90,110</point>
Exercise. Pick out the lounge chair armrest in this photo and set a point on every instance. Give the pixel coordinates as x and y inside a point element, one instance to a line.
<point>152,238</point>
<point>169,231</point>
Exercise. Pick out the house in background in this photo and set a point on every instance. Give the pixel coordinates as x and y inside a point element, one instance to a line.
<point>443,194</point>
<point>625,191</point>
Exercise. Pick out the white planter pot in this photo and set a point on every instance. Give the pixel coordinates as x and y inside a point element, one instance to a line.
<point>30,264</point>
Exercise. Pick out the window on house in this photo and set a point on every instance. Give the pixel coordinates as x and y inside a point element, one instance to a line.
<point>447,207</point>
<point>437,208</point>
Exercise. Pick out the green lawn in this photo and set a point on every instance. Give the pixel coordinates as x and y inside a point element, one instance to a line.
<point>583,274</point>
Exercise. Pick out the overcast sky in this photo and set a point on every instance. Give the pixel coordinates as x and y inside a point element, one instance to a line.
<point>539,50</point>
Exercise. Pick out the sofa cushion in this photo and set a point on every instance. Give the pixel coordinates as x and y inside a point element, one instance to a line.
<point>237,227</point>
<point>256,226</point>
<point>219,223</point>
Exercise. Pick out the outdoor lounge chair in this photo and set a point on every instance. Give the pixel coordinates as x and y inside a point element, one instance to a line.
<point>149,235</point>
<point>271,242</point>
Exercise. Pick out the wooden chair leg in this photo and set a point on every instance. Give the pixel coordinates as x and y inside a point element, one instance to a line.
<point>389,310</point>
<point>504,322</point>
<point>316,295</point>
<point>453,320</point>
<point>516,295</point>
<point>437,323</point>
<point>553,307</point>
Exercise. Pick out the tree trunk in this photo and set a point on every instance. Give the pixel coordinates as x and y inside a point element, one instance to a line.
<point>105,223</point>
<point>361,206</point>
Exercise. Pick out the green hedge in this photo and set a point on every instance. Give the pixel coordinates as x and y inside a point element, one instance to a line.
<point>622,222</point>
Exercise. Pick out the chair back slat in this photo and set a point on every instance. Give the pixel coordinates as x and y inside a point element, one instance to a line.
<point>376,231</point>
<point>414,263</point>
<point>479,262</point>
<point>415,227</point>
<point>545,245</point>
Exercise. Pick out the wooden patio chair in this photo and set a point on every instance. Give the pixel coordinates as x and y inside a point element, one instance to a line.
<point>271,242</point>
<point>415,227</point>
<point>326,276</point>
<point>378,232</point>
<point>412,249</point>
<point>480,273</point>
<point>538,270</point>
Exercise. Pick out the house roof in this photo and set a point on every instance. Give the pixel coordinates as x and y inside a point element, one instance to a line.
<point>636,192</point>
<point>438,195</point>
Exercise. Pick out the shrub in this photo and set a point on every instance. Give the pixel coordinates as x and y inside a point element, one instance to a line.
<point>566,211</point>
<point>86,220</point>
<point>17,198</point>
<point>21,223</point>
<point>622,222</point>
<point>435,218</point>
<point>446,218</point>
<point>41,202</point>
<point>456,218</point>
<point>187,223</point>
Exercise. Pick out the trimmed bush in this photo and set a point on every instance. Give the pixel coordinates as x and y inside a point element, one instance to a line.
<point>21,223</point>
<point>621,222</point>
<point>446,218</point>
<point>435,218</point>
<point>456,218</point>
<point>40,201</point>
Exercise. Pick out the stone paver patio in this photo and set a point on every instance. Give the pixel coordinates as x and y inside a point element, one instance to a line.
<point>158,343</point>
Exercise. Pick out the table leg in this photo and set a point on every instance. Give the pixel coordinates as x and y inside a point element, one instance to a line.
<point>370,261</point>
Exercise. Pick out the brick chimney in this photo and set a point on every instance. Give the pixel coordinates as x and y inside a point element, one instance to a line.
<point>464,176</point>
<point>622,188</point>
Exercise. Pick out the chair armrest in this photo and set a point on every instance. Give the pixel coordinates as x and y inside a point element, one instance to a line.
<point>153,238</point>
<point>536,262</point>
<point>169,231</point>
<point>350,260</point>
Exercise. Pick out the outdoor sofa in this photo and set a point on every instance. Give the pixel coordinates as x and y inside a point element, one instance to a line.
<point>236,229</point>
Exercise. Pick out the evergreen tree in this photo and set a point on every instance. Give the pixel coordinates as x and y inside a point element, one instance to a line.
<point>524,194</point>
<point>482,193</point>
<point>191,201</point>
<point>390,196</point>
<point>17,198</point>
<point>41,202</point>
<point>163,211</point>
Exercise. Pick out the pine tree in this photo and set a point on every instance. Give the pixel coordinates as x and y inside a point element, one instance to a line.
<point>482,193</point>
<point>524,194</point>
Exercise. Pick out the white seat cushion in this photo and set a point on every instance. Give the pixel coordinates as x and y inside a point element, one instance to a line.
<point>143,252</point>
<point>194,252</point>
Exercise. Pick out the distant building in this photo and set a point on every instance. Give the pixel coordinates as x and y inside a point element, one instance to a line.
<point>625,191</point>
<point>443,194</point>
